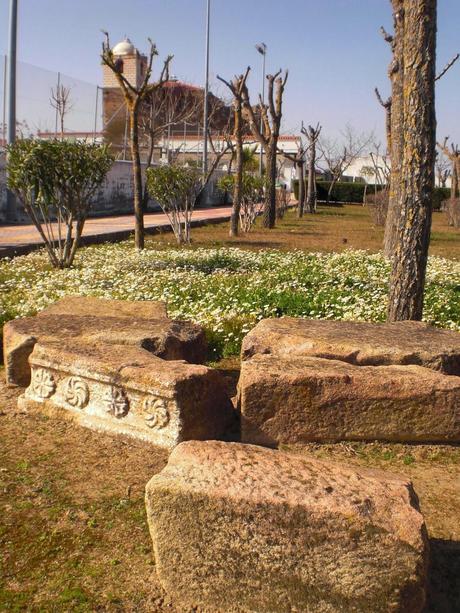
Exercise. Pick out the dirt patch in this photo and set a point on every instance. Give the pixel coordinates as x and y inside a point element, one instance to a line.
<point>332,228</point>
<point>73,533</point>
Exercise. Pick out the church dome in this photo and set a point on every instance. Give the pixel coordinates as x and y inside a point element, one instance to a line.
<point>125,47</point>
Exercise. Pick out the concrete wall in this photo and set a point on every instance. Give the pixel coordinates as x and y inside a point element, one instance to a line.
<point>115,196</point>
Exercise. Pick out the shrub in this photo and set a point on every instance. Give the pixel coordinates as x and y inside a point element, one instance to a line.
<point>176,189</point>
<point>354,192</point>
<point>440,195</point>
<point>56,180</point>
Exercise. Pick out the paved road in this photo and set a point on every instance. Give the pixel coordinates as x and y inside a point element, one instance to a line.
<point>22,239</point>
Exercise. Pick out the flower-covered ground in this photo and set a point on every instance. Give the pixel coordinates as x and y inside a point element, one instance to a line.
<point>227,290</point>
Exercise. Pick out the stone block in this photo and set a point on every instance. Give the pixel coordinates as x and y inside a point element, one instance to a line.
<point>361,343</point>
<point>303,399</point>
<point>101,307</point>
<point>126,390</point>
<point>238,528</point>
<point>170,340</point>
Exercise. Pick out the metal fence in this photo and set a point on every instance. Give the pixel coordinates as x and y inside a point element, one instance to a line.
<point>35,114</point>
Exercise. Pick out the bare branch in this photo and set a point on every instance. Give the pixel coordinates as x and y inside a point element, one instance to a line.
<point>447,67</point>
<point>387,37</point>
<point>387,103</point>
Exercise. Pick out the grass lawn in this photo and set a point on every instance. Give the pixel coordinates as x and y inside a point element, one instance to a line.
<point>74,537</point>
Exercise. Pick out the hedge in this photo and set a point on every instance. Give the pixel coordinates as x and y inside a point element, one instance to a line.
<point>354,192</point>
<point>342,192</point>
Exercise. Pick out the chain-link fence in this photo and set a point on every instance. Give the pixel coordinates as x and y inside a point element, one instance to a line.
<point>36,112</point>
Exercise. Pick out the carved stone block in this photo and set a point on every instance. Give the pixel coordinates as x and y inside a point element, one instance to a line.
<point>126,390</point>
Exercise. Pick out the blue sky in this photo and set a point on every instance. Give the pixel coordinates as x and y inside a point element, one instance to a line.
<point>332,48</point>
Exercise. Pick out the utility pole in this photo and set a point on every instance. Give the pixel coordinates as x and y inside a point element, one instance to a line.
<point>4,103</point>
<point>11,78</point>
<point>262,49</point>
<point>206,92</point>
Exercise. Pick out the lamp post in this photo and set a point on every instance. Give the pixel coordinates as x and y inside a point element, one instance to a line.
<point>11,79</point>
<point>262,49</point>
<point>206,92</point>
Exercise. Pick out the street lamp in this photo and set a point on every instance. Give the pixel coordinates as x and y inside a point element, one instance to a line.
<point>262,49</point>
<point>206,92</point>
<point>11,78</point>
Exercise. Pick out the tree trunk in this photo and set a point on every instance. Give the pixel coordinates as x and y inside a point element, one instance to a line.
<point>407,280</point>
<point>238,185</point>
<point>396,74</point>
<point>270,195</point>
<point>311,190</point>
<point>329,191</point>
<point>455,187</point>
<point>137,179</point>
<point>301,180</point>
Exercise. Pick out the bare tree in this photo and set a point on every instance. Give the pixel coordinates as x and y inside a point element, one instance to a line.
<point>163,108</point>
<point>134,95</point>
<point>337,158</point>
<point>312,135</point>
<point>236,87</point>
<point>415,119</point>
<point>298,159</point>
<point>443,168</point>
<point>61,101</point>
<point>268,137</point>
<point>453,204</point>
<point>368,172</point>
<point>453,155</point>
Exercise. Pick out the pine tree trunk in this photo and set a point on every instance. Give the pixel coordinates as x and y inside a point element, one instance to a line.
<point>301,180</point>
<point>396,73</point>
<point>418,140</point>
<point>270,195</point>
<point>238,185</point>
<point>311,190</point>
<point>137,179</point>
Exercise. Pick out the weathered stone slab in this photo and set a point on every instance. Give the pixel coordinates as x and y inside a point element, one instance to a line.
<point>313,399</point>
<point>238,528</point>
<point>170,340</point>
<point>357,342</point>
<point>126,390</point>
<point>101,307</point>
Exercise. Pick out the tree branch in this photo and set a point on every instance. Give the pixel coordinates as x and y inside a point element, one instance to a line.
<point>447,67</point>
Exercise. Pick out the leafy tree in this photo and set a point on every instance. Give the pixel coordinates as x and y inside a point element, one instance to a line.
<point>250,159</point>
<point>55,180</point>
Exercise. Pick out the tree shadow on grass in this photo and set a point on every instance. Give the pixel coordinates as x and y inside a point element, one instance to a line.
<point>444,583</point>
<point>261,244</point>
